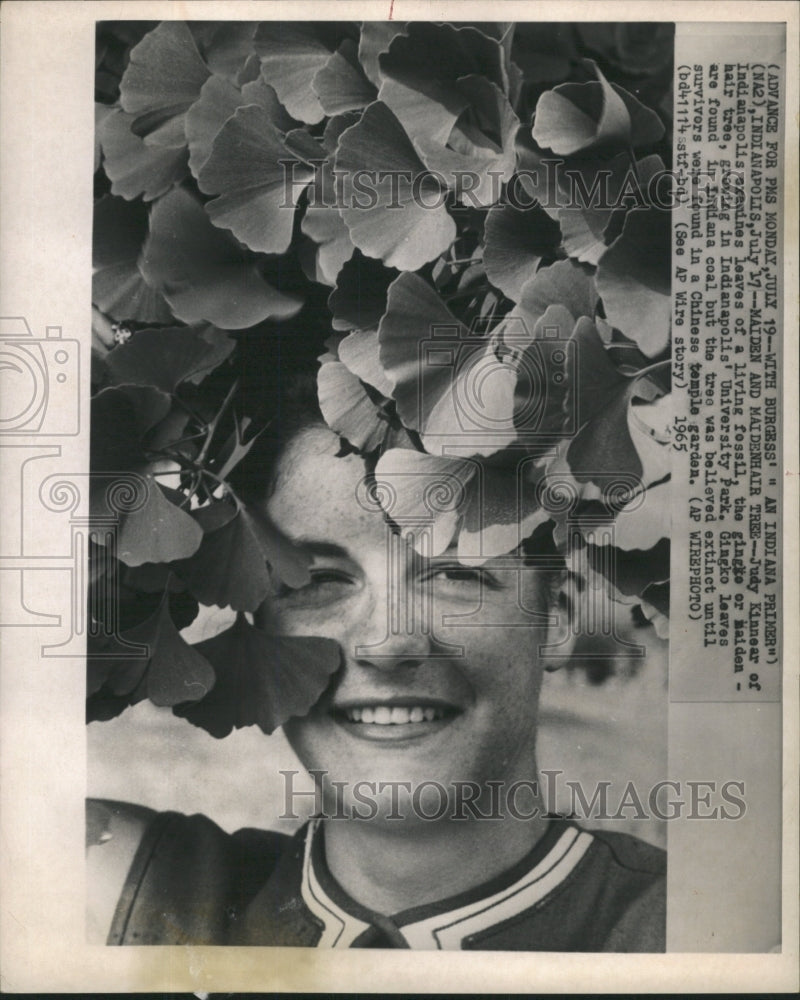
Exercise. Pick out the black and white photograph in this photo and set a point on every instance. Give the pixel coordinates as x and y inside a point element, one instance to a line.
<point>400,482</point>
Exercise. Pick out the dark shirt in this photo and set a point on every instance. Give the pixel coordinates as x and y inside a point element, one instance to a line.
<point>192,883</point>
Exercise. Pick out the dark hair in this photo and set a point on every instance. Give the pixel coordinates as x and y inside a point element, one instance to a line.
<point>295,406</point>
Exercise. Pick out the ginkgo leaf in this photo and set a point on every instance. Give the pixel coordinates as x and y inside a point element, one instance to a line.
<point>424,494</point>
<point>593,117</point>
<point>604,444</point>
<point>448,385</point>
<point>162,80</point>
<point>359,299</point>
<point>563,283</point>
<point>158,530</point>
<point>633,279</point>
<point>226,46</point>
<point>642,523</point>
<point>169,671</point>
<point>162,358</point>
<point>631,573</point>
<point>480,146</point>
<point>203,273</point>
<point>120,417</point>
<point>515,242</point>
<point>257,178</point>
<point>543,51</point>
<point>421,70</point>
<point>635,47</point>
<point>231,566</point>
<point>134,168</point>
<point>502,510</point>
<point>341,84</point>
<point>292,53</point>
<point>221,344</point>
<point>376,37</point>
<point>217,101</point>
<point>590,223</point>
<point>347,407</point>
<point>544,410</point>
<point>118,288</point>
<point>401,219</point>
<point>360,351</point>
<point>649,425</point>
<point>322,221</point>
<point>262,680</point>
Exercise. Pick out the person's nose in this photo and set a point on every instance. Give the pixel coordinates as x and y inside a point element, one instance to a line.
<point>395,631</point>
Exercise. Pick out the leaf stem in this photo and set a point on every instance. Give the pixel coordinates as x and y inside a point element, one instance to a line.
<point>212,427</point>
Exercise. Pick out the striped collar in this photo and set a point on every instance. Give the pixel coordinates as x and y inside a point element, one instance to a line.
<point>448,924</point>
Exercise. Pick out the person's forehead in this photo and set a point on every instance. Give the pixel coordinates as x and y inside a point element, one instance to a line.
<point>315,491</point>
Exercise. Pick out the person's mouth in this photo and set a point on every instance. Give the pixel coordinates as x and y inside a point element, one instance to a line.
<point>394,718</point>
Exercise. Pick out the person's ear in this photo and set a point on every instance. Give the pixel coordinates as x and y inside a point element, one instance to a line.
<point>561,634</point>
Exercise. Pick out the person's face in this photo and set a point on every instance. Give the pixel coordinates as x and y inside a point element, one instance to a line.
<point>449,703</point>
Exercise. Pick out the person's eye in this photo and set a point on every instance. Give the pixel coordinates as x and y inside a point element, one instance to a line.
<point>458,578</point>
<point>324,587</point>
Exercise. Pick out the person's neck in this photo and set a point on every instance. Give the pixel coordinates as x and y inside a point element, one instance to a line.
<point>392,867</point>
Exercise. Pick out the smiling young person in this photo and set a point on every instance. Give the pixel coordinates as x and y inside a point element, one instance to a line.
<point>434,833</point>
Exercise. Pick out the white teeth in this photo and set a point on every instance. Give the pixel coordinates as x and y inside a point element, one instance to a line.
<point>393,715</point>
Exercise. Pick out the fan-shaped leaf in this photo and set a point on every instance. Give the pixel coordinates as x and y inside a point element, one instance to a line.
<point>158,531</point>
<point>323,221</point>
<point>341,84</point>
<point>233,561</point>
<point>359,299</point>
<point>633,278</point>
<point>543,52</point>
<point>203,273</point>
<point>633,47</point>
<point>423,491</point>
<point>120,417</point>
<point>217,101</point>
<point>291,54</point>
<point>168,671</point>
<point>133,167</point>
<point>564,283</point>
<point>630,573</point>
<point>257,178</point>
<point>360,351</point>
<point>448,385</point>
<point>480,146</point>
<point>390,219</point>
<point>376,37</point>
<point>347,407</point>
<point>642,523</point>
<point>163,358</point>
<point>118,288</point>
<point>604,444</point>
<point>226,46</point>
<point>593,117</point>
<point>262,680</point>
<point>590,225</point>
<point>421,71</point>
<point>502,510</point>
<point>162,80</point>
<point>515,242</point>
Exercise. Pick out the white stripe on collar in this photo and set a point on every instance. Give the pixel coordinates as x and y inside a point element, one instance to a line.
<point>339,928</point>
<point>447,931</point>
